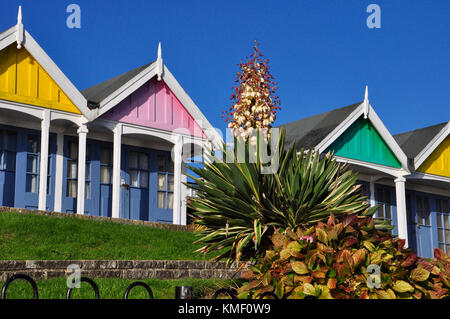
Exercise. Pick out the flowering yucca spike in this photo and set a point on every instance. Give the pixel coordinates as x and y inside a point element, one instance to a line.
<point>254,102</point>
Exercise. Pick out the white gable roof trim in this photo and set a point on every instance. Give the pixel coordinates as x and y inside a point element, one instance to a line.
<point>367,110</point>
<point>432,145</point>
<point>145,75</point>
<point>10,36</point>
<point>126,89</point>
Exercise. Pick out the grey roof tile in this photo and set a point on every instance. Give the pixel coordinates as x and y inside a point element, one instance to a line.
<point>96,93</point>
<point>413,142</point>
<point>309,132</point>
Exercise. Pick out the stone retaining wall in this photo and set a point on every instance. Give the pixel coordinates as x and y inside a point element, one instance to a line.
<point>127,269</point>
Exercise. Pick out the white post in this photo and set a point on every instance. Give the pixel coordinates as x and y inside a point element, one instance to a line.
<point>177,180</point>
<point>116,184</point>
<point>401,209</point>
<point>82,134</point>
<point>59,171</point>
<point>207,150</point>
<point>43,169</point>
<point>372,192</point>
<point>183,194</point>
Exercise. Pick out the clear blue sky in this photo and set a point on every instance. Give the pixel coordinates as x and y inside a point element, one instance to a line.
<point>321,52</point>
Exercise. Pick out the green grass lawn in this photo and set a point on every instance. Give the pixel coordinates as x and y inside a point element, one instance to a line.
<point>32,236</point>
<point>56,288</point>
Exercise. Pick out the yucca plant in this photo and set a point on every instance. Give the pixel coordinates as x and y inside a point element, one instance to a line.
<point>239,207</point>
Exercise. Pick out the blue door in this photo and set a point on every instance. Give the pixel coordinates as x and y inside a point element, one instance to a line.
<point>385,197</point>
<point>70,185</point>
<point>8,146</point>
<point>135,184</point>
<point>410,216</point>
<point>162,180</point>
<point>28,170</point>
<point>98,170</point>
<point>424,231</point>
<point>70,171</point>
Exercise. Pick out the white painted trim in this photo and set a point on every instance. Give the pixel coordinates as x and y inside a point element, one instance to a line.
<point>57,75</point>
<point>144,76</point>
<point>159,62</point>
<point>396,172</point>
<point>8,37</point>
<point>184,193</point>
<point>127,129</point>
<point>82,136</point>
<point>59,171</point>
<point>372,191</point>
<point>177,161</point>
<point>425,176</point>
<point>388,138</point>
<point>402,224</point>
<point>128,140</point>
<point>43,167</point>
<point>170,137</point>
<point>379,126</point>
<point>436,190</point>
<point>366,102</point>
<point>144,130</point>
<point>428,190</point>
<point>432,145</point>
<point>116,178</point>
<point>58,115</point>
<point>19,29</point>
<point>340,129</point>
<point>125,90</point>
<point>35,111</point>
<point>192,108</point>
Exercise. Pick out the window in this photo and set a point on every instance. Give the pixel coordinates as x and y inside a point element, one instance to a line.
<point>165,182</point>
<point>32,173</point>
<point>8,140</point>
<point>87,177</point>
<point>423,210</point>
<point>72,170</point>
<point>385,201</point>
<point>138,169</point>
<point>49,165</point>
<point>105,165</point>
<point>443,224</point>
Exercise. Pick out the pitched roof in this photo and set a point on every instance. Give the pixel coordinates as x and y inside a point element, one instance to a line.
<point>97,93</point>
<point>310,131</point>
<point>413,142</point>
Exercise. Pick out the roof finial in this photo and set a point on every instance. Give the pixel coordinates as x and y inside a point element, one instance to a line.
<point>159,63</point>
<point>366,102</point>
<point>19,34</point>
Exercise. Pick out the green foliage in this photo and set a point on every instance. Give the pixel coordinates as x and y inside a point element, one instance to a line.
<point>333,260</point>
<point>239,206</point>
<point>25,236</point>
